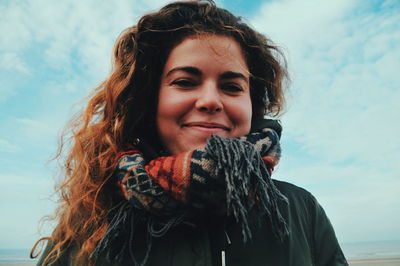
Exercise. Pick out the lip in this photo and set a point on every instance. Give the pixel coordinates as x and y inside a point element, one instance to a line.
<point>207,126</point>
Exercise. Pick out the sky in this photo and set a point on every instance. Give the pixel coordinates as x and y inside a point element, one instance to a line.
<point>340,138</point>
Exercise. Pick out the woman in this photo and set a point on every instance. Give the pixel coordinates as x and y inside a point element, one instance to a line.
<point>170,162</point>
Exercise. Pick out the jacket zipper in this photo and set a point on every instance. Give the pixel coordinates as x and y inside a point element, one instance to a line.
<point>228,241</point>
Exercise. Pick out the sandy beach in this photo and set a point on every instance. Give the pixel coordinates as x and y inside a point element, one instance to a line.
<point>375,262</point>
<point>16,264</point>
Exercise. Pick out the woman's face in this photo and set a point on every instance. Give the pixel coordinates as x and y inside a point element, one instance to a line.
<point>204,91</point>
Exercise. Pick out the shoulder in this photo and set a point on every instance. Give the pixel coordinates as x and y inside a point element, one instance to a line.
<point>300,207</point>
<point>306,218</point>
<point>301,203</point>
<point>294,193</point>
<point>290,188</point>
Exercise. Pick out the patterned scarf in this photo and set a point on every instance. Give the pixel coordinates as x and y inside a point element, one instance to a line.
<point>229,177</point>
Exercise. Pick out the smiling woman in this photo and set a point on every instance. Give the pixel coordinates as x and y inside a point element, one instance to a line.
<point>171,161</point>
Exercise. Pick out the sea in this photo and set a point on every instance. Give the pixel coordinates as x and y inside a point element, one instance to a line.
<point>16,256</point>
<point>354,250</point>
<point>371,250</point>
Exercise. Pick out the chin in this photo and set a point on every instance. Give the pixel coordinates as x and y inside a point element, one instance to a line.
<point>188,147</point>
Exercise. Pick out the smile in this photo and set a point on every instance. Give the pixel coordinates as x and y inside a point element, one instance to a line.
<point>207,127</point>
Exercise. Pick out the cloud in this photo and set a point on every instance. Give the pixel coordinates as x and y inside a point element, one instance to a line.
<point>6,146</point>
<point>14,17</point>
<point>35,129</point>
<point>299,22</point>
<point>13,68</point>
<point>61,40</point>
<point>69,31</point>
<point>13,62</point>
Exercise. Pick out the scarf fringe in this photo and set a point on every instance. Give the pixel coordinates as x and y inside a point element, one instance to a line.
<point>115,244</point>
<point>247,182</point>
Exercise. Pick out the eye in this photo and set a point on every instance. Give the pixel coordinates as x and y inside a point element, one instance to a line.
<point>185,83</point>
<point>232,88</point>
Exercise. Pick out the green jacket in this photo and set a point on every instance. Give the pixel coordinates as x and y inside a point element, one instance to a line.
<point>311,241</point>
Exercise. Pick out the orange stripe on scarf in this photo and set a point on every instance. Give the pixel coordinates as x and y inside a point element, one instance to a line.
<point>178,168</point>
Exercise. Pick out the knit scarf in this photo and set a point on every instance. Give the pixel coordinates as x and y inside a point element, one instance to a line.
<point>229,177</point>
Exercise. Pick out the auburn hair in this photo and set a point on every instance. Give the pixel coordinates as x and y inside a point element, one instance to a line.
<point>124,107</point>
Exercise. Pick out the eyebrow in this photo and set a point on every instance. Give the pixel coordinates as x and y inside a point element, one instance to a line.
<point>197,72</point>
<point>233,75</point>
<point>188,69</point>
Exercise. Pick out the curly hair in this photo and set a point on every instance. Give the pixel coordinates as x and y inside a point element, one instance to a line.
<point>124,107</point>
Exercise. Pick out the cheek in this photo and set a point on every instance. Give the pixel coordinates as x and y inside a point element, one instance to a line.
<point>171,106</point>
<point>164,112</point>
<point>243,114</point>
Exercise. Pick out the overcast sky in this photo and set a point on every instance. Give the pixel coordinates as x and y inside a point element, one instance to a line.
<point>341,128</point>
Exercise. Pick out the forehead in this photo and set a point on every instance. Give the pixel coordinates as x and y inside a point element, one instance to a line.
<point>208,51</point>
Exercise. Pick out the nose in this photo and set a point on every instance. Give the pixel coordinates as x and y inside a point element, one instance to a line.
<point>209,99</point>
